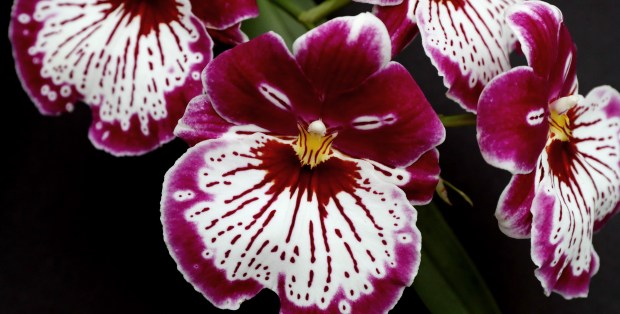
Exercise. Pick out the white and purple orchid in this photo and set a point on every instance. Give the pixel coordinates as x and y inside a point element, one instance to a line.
<point>136,63</point>
<point>303,173</point>
<point>467,41</point>
<point>562,148</point>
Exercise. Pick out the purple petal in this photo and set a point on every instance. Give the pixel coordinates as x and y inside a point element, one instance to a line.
<point>342,53</point>
<point>547,45</point>
<point>242,213</point>
<point>136,67</point>
<point>245,88</point>
<point>230,36</point>
<point>400,23</point>
<point>379,114</point>
<point>200,122</point>
<point>222,14</point>
<point>512,120</point>
<point>468,42</point>
<point>513,210</point>
<point>418,181</point>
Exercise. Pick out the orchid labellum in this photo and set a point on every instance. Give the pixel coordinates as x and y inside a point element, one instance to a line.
<point>302,173</point>
<point>136,63</point>
<point>562,148</point>
<point>466,40</point>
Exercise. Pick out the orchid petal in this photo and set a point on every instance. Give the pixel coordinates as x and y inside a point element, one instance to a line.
<point>468,42</point>
<point>547,45</point>
<point>400,23</point>
<point>200,122</point>
<point>561,245</point>
<point>513,210</point>
<point>111,56</point>
<point>385,114</point>
<point>583,178</point>
<point>245,89</point>
<point>229,36</point>
<point>340,54</point>
<point>243,212</point>
<point>512,120</point>
<point>222,14</point>
<point>418,180</point>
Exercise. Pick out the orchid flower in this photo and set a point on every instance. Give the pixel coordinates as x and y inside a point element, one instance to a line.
<point>135,63</point>
<point>302,173</point>
<point>562,148</point>
<point>467,41</point>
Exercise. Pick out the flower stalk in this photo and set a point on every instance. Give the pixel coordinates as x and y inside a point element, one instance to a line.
<point>465,119</point>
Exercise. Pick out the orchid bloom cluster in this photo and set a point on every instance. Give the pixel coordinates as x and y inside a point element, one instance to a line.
<point>305,165</point>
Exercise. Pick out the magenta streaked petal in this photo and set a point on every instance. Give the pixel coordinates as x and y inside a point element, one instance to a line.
<point>340,54</point>
<point>111,56</point>
<point>240,213</point>
<point>245,89</point>
<point>379,114</point>
<point>230,36</point>
<point>222,14</point>
<point>547,45</point>
<point>468,42</point>
<point>561,245</point>
<point>200,122</point>
<point>595,132</point>
<point>513,120</point>
<point>418,180</point>
<point>400,23</point>
<point>513,210</point>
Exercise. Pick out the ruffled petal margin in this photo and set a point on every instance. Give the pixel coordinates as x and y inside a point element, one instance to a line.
<point>240,214</point>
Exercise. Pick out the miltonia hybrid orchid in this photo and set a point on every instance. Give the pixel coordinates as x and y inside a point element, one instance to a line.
<point>137,63</point>
<point>563,150</point>
<point>317,205</point>
<point>466,40</point>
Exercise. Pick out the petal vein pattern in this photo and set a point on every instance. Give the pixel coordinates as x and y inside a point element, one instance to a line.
<point>468,42</point>
<point>136,62</point>
<point>327,238</point>
<point>582,175</point>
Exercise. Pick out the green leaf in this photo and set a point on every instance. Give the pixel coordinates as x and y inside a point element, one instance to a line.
<point>448,281</point>
<point>273,18</point>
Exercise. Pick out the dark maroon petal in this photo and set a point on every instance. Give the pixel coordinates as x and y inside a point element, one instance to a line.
<point>343,52</point>
<point>230,36</point>
<point>468,42</point>
<point>390,123</point>
<point>512,120</point>
<point>418,181</point>
<point>222,14</point>
<point>241,213</point>
<point>136,67</point>
<point>547,45</point>
<point>513,209</point>
<point>400,23</point>
<point>200,122</point>
<point>260,83</point>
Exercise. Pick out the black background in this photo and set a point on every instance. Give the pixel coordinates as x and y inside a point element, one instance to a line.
<point>80,229</point>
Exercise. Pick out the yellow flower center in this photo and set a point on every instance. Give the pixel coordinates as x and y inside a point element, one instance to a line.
<point>559,123</point>
<point>313,146</point>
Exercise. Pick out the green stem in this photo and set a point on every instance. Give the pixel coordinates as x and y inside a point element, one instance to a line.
<point>465,119</point>
<point>294,11</point>
<point>319,12</point>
